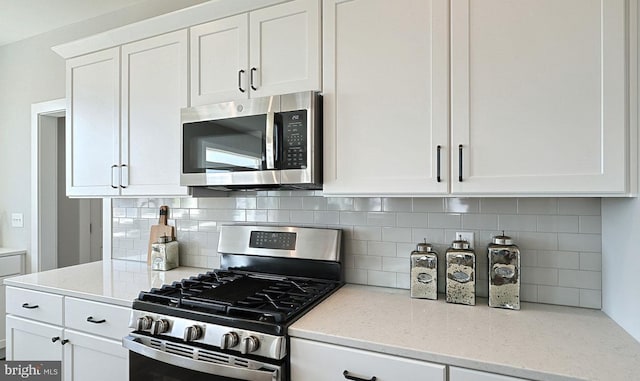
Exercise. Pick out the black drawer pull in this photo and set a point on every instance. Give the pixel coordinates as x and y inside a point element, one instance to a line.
<point>54,339</point>
<point>90,319</point>
<point>354,378</point>
<point>63,342</point>
<point>29,307</point>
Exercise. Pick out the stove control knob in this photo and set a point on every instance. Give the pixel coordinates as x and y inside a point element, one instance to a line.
<point>193,333</point>
<point>143,323</point>
<point>229,340</point>
<point>249,344</point>
<point>159,326</point>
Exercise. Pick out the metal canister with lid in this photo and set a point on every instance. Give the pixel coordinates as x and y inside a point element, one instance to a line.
<point>461,273</point>
<point>504,273</point>
<point>424,272</point>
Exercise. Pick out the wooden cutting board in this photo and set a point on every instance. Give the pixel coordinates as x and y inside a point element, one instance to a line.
<point>161,229</point>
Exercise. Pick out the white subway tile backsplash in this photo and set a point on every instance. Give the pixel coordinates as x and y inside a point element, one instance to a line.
<point>381,219</point>
<point>397,204</point>
<point>386,249</point>
<point>462,205</point>
<point>498,206</point>
<point>579,206</point>
<point>412,220</point>
<point>580,242</point>
<point>396,234</point>
<point>428,204</point>
<point>591,298</point>
<point>538,205</point>
<point>382,278</point>
<point>580,279</point>
<point>445,220</point>
<point>523,223</point>
<point>591,261</point>
<point>559,295</point>
<point>559,259</point>
<point>559,239</point>
<point>560,224</point>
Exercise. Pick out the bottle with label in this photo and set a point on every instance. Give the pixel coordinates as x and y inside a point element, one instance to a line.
<point>504,273</point>
<point>164,254</point>
<point>424,272</point>
<point>461,274</point>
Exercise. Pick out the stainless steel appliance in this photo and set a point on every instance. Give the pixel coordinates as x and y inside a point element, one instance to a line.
<point>270,142</point>
<point>231,324</point>
<point>504,273</point>
<point>424,272</point>
<point>461,274</point>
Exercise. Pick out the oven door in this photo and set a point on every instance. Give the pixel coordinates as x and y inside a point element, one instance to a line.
<point>153,359</point>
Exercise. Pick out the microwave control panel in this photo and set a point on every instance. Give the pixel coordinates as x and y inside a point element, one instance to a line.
<point>294,138</point>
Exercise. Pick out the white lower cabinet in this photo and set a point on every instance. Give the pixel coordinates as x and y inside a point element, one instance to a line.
<point>90,357</point>
<point>87,340</point>
<point>32,340</point>
<point>461,374</point>
<point>314,361</point>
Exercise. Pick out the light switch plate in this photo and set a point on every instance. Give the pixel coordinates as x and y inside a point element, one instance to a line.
<point>17,220</point>
<point>466,236</point>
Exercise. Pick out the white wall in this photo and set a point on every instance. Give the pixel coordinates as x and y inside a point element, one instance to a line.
<point>621,262</point>
<point>30,72</point>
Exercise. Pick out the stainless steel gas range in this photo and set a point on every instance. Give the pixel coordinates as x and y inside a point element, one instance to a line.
<point>231,324</point>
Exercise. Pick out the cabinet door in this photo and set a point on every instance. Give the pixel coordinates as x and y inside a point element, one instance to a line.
<point>315,361</point>
<point>386,92</point>
<point>219,60</point>
<point>31,340</point>
<point>538,96</point>
<point>461,374</point>
<point>92,124</point>
<point>154,89</point>
<point>88,357</point>
<point>284,45</point>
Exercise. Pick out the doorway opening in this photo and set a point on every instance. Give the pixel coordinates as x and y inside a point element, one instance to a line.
<point>64,231</point>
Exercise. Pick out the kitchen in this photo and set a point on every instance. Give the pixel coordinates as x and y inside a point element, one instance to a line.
<point>572,246</point>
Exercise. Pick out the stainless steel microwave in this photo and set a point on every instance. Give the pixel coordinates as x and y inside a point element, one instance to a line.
<point>270,142</point>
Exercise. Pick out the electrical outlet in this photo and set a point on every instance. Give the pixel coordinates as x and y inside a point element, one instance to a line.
<point>17,220</point>
<point>466,236</point>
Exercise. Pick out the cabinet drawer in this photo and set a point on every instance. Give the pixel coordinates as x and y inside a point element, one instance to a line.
<point>314,361</point>
<point>106,320</point>
<point>11,265</point>
<point>461,374</point>
<point>34,305</point>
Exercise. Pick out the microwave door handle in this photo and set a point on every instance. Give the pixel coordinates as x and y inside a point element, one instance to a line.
<point>270,141</point>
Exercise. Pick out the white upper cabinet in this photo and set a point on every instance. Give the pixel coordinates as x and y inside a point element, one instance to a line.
<point>538,92</point>
<point>92,124</point>
<point>154,89</point>
<point>386,90</point>
<point>533,102</point>
<point>217,77</point>
<point>273,50</point>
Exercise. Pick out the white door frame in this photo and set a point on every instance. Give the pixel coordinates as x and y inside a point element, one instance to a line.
<point>45,115</point>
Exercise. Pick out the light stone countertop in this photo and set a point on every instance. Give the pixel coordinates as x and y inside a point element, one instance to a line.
<point>540,342</point>
<point>4,252</point>
<point>115,282</point>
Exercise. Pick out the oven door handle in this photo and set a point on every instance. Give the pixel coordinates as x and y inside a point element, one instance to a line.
<point>133,344</point>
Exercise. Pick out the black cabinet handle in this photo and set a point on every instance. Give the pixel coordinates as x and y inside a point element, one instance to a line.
<point>90,319</point>
<point>63,342</point>
<point>460,163</point>
<point>54,339</point>
<point>253,70</point>
<point>29,307</point>
<point>438,163</point>
<point>354,378</point>
<point>240,72</point>
<point>124,166</point>
<point>112,167</point>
